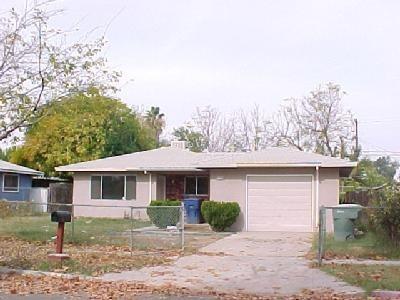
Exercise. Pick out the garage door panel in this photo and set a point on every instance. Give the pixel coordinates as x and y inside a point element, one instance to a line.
<point>275,192</point>
<point>260,200</point>
<point>271,226</point>
<point>288,228</point>
<point>279,203</point>
<point>254,179</point>
<point>278,185</point>
<point>276,208</point>
<point>300,215</point>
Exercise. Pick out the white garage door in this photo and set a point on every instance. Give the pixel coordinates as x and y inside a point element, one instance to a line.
<point>279,203</point>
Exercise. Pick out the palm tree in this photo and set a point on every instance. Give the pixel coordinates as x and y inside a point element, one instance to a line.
<point>155,121</point>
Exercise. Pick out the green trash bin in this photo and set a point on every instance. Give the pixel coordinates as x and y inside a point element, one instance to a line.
<point>344,217</point>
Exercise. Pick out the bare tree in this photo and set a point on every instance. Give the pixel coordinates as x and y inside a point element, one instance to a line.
<point>246,130</point>
<point>315,123</point>
<point>37,65</point>
<point>253,131</point>
<point>218,131</point>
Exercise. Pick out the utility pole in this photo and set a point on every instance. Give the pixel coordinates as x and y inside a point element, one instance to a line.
<point>356,123</point>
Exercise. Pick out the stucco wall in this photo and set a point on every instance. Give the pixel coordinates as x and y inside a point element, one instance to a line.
<point>25,185</point>
<point>230,185</point>
<point>329,192</point>
<point>225,185</point>
<point>81,196</point>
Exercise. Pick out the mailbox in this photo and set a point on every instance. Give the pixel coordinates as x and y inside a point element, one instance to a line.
<point>61,216</point>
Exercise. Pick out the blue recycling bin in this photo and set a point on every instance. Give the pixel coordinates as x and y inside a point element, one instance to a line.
<point>192,210</point>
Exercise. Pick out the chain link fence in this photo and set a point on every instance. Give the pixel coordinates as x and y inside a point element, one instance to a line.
<point>353,232</point>
<point>140,228</point>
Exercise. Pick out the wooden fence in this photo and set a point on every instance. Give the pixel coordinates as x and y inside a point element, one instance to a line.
<point>363,198</point>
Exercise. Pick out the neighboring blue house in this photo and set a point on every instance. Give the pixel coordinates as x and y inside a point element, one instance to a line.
<point>15,181</point>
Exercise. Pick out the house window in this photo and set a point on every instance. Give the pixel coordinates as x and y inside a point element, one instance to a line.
<point>10,183</point>
<point>114,187</point>
<point>196,185</point>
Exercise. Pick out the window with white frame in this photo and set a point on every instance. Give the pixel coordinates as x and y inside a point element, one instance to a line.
<point>196,185</point>
<point>113,187</point>
<point>10,183</point>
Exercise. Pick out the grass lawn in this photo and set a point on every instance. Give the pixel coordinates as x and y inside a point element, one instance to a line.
<point>369,246</point>
<point>367,277</point>
<point>86,230</point>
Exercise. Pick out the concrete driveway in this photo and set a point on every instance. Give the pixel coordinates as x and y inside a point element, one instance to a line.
<point>248,262</point>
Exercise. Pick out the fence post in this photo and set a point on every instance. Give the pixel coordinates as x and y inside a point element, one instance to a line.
<point>321,234</point>
<point>323,231</point>
<point>182,208</point>
<point>131,231</point>
<point>72,219</point>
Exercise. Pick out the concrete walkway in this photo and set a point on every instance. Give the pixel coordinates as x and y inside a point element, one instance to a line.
<point>248,262</point>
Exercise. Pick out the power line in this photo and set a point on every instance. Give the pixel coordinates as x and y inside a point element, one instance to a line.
<point>366,121</point>
<point>381,152</point>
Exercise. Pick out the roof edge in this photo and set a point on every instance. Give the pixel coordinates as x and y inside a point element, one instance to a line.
<point>263,165</point>
<point>33,172</point>
<point>61,169</point>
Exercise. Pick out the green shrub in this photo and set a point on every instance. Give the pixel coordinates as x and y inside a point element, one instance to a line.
<point>220,215</point>
<point>164,216</point>
<point>365,221</point>
<point>387,216</point>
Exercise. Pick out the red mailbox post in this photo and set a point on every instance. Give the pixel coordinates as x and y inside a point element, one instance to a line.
<point>61,217</point>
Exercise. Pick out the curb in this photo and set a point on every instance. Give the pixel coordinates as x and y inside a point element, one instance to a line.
<point>4,270</point>
<point>386,295</point>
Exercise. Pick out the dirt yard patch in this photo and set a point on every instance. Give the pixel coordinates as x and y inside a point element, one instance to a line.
<point>92,259</point>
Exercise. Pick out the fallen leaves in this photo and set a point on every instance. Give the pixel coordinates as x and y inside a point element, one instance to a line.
<point>75,286</point>
<point>376,276</point>
<point>91,260</point>
<point>368,276</point>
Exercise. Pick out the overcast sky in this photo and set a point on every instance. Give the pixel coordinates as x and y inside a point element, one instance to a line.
<point>231,54</point>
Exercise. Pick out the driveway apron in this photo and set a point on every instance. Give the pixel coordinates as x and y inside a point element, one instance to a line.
<point>247,262</point>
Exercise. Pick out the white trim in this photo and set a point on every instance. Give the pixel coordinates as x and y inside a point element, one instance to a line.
<point>164,178</point>
<point>124,197</point>
<point>247,205</point>
<point>11,174</point>
<point>279,175</point>
<point>150,187</point>
<point>101,187</point>
<point>276,165</point>
<point>316,196</point>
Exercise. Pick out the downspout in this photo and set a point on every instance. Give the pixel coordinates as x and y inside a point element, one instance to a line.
<point>317,195</point>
